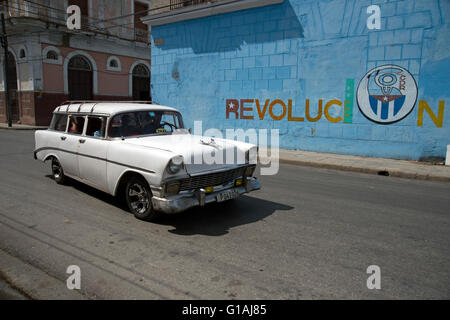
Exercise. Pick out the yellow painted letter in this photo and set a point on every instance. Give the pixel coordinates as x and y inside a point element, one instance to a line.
<point>319,112</point>
<point>327,106</point>
<point>423,105</point>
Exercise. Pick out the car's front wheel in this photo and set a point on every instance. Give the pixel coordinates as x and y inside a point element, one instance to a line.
<point>58,172</point>
<point>139,199</point>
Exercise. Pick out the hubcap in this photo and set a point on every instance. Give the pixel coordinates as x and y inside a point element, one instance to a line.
<point>138,196</point>
<point>56,169</point>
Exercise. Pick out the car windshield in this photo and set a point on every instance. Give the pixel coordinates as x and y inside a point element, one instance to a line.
<point>145,123</point>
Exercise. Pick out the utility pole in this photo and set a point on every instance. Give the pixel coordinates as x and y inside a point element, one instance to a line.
<point>4,41</point>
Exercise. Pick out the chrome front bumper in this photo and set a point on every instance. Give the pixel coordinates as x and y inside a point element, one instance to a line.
<point>178,203</point>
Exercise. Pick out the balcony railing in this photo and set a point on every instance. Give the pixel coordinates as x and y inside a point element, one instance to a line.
<point>193,9</point>
<point>176,4</point>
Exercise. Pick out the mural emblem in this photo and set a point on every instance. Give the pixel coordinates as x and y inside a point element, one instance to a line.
<point>387,94</point>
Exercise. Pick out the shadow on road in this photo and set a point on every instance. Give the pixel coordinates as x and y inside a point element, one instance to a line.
<point>217,219</point>
<point>100,195</point>
<point>214,219</point>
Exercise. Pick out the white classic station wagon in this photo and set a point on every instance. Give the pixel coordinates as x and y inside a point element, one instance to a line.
<point>142,152</point>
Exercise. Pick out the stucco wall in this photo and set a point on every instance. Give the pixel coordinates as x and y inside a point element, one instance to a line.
<point>304,50</point>
<point>109,83</point>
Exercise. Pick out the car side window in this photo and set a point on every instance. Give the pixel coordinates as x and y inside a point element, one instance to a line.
<point>59,122</point>
<point>76,124</point>
<point>124,125</point>
<point>96,127</point>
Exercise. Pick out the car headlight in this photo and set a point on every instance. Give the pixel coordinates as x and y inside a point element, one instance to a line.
<point>175,164</point>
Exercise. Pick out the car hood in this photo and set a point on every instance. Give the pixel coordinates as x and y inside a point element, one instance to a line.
<point>200,153</point>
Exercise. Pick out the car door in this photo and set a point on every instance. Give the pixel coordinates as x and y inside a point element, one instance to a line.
<point>52,138</point>
<point>92,153</point>
<point>69,145</point>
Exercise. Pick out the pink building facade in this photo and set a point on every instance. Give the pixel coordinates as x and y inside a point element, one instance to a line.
<point>108,59</point>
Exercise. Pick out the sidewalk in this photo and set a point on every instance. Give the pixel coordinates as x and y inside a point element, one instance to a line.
<point>380,166</point>
<point>16,126</point>
<point>24,281</point>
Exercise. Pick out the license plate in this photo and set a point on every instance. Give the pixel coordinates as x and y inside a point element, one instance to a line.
<point>227,195</point>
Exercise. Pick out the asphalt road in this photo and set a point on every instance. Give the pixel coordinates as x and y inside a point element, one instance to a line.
<point>308,233</point>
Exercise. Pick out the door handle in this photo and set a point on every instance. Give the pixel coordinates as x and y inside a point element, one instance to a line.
<point>82,140</point>
<point>63,138</point>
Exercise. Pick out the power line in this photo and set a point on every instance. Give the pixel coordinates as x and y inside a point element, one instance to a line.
<point>149,10</point>
<point>116,73</point>
<point>45,18</point>
<point>89,28</point>
<point>36,14</point>
<point>39,5</point>
<point>133,14</point>
<point>145,11</point>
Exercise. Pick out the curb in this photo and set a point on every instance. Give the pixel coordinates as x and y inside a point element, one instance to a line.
<point>32,282</point>
<point>369,170</point>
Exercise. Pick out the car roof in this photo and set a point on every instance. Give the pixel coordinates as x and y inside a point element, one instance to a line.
<point>108,108</point>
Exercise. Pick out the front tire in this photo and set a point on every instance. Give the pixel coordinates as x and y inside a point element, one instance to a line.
<point>139,199</point>
<point>58,172</point>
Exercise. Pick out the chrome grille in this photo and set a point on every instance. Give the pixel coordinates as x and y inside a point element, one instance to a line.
<point>211,179</point>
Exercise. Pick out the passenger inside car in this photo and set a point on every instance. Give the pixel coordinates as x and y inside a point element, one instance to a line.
<point>95,127</point>
<point>76,124</point>
<point>73,128</point>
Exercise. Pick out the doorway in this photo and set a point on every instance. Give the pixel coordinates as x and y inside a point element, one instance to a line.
<point>141,83</point>
<point>80,78</point>
<point>12,88</point>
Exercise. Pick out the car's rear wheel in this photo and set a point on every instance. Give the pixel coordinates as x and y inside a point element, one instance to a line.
<point>139,199</point>
<point>57,171</point>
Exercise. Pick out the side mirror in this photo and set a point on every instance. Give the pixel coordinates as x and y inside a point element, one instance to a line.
<point>190,130</point>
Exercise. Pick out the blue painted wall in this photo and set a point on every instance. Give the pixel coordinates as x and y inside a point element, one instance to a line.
<point>307,49</point>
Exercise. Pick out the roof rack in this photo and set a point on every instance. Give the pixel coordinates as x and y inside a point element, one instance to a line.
<point>95,102</point>
<point>107,101</point>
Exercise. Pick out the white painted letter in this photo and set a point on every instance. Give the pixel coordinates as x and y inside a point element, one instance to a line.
<point>374,21</point>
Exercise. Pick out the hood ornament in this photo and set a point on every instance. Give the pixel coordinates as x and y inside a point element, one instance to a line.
<point>211,142</point>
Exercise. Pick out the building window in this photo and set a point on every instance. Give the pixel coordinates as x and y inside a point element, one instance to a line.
<point>84,9</point>
<point>52,55</point>
<point>140,28</point>
<point>83,4</point>
<point>113,64</point>
<point>79,63</point>
<point>22,54</point>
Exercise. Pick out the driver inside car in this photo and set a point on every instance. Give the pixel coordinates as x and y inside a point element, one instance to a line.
<point>147,122</point>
